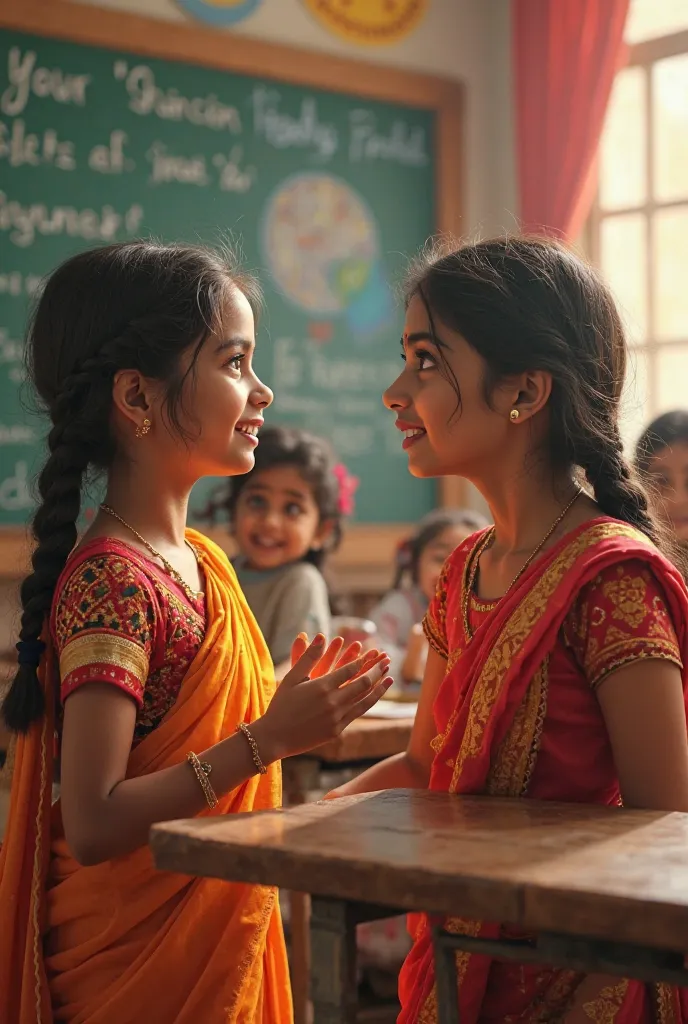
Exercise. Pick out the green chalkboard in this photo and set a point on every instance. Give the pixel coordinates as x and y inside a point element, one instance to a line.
<point>327,194</point>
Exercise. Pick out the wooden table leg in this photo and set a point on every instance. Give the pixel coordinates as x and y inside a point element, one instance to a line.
<point>299,925</point>
<point>333,962</point>
<point>298,776</point>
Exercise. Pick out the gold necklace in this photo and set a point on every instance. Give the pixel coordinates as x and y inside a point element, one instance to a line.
<point>193,595</point>
<point>485,543</point>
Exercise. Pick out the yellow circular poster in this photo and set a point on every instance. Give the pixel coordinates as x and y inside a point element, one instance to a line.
<point>372,22</point>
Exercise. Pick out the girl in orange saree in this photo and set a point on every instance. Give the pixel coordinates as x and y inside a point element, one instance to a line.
<point>140,657</point>
<point>558,636</point>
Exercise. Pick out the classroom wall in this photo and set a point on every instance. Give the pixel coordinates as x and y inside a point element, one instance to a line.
<point>468,40</point>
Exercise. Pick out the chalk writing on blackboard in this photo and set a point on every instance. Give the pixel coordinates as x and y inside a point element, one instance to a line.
<point>45,83</point>
<point>14,283</point>
<point>402,144</point>
<point>19,146</point>
<point>111,158</point>
<point>145,97</point>
<point>17,433</point>
<point>282,130</point>
<point>15,495</point>
<point>24,222</point>
<point>11,356</point>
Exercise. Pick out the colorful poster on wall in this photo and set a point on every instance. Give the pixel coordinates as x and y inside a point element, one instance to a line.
<point>219,12</point>
<point>370,22</point>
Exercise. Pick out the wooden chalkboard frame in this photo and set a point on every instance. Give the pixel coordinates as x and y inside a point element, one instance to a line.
<point>364,560</point>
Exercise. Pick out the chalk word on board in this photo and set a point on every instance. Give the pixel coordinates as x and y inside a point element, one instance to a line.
<point>45,83</point>
<point>14,490</point>
<point>15,283</point>
<point>22,147</point>
<point>145,97</point>
<point>288,131</point>
<point>23,223</point>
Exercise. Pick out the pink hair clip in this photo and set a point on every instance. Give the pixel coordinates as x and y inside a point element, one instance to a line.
<point>348,485</point>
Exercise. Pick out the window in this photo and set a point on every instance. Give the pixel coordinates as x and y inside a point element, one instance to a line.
<point>639,225</point>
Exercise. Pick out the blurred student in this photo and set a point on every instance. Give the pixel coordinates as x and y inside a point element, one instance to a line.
<point>419,561</point>
<point>286,518</point>
<point>662,458</point>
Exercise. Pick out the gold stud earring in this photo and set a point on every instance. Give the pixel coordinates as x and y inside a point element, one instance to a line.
<point>513,415</point>
<point>144,429</point>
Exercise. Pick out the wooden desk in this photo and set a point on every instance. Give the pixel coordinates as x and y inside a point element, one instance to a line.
<point>365,740</point>
<point>605,888</point>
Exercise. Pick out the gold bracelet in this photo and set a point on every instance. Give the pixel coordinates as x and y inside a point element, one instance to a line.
<point>202,770</point>
<point>255,753</point>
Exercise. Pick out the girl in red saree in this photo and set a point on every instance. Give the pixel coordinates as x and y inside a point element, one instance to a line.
<point>138,653</point>
<point>558,636</point>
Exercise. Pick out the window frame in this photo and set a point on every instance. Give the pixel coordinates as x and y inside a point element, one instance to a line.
<point>645,54</point>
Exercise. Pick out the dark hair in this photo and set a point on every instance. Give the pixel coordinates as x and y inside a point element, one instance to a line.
<point>133,305</point>
<point>530,304</point>
<point>665,431</point>
<point>430,527</point>
<point>314,460</point>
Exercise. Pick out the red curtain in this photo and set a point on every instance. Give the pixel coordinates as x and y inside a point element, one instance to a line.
<point>566,53</point>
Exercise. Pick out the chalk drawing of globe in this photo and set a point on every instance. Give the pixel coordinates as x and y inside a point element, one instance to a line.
<point>321,243</point>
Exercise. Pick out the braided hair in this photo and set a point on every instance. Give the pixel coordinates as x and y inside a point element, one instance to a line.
<point>132,305</point>
<point>529,303</point>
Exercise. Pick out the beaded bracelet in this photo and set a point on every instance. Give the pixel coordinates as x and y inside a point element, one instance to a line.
<point>202,770</point>
<point>255,753</point>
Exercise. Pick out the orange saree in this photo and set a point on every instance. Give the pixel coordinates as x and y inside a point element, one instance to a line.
<point>517,716</point>
<point>121,941</point>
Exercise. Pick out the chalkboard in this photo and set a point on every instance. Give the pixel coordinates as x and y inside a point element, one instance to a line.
<point>327,193</point>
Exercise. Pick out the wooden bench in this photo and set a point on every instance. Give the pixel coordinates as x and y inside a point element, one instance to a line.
<point>605,889</point>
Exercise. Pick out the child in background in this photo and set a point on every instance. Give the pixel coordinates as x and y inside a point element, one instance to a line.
<point>419,561</point>
<point>286,516</point>
<point>662,457</point>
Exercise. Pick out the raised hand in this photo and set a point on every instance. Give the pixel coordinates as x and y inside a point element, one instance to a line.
<point>306,711</point>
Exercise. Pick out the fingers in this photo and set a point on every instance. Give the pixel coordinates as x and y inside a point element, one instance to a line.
<point>307,662</point>
<point>373,657</point>
<point>361,684</point>
<point>329,658</point>
<point>352,652</point>
<point>367,702</point>
<point>333,680</point>
<point>299,648</point>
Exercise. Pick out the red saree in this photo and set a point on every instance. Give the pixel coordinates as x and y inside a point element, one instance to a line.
<point>503,693</point>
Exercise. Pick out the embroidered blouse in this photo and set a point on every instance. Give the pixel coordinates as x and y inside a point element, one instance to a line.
<point>119,618</point>
<point>618,618</point>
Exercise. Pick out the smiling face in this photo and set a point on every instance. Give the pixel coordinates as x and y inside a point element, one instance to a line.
<point>445,436</point>
<point>221,407</point>
<point>668,470</point>
<point>276,520</point>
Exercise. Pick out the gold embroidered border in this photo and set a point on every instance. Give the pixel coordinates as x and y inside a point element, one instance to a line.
<point>457,926</point>
<point>515,759</point>
<point>605,1007</point>
<point>648,650</point>
<point>516,630</point>
<point>667,1008</point>
<point>104,649</point>
<point>433,636</point>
